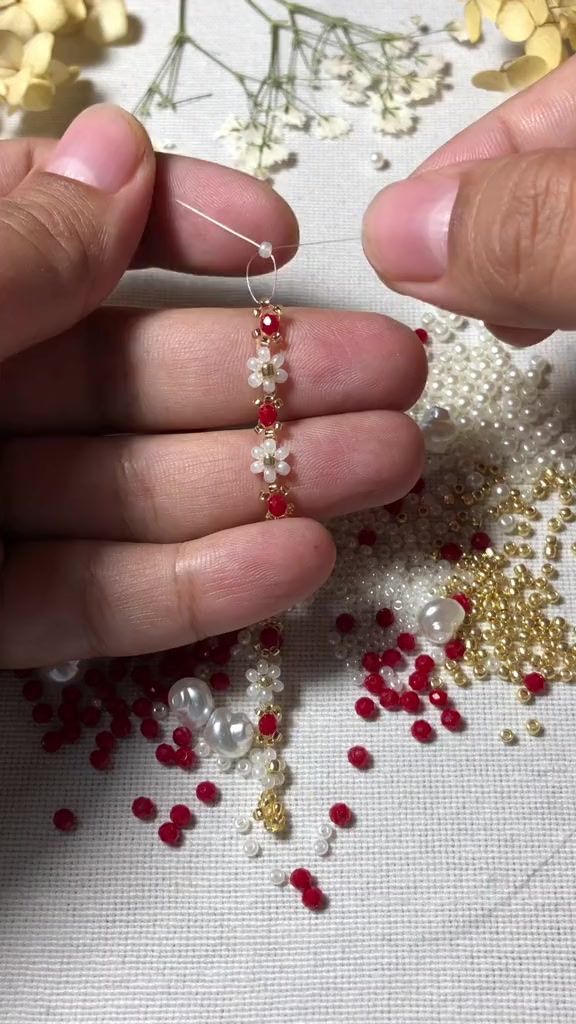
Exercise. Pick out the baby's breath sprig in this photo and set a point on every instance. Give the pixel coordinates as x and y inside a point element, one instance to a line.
<point>310,51</point>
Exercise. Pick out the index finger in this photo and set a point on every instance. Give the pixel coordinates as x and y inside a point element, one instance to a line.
<point>541,116</point>
<point>175,238</point>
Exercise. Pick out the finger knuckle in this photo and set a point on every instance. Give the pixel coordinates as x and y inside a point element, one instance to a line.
<point>137,498</point>
<point>522,225</point>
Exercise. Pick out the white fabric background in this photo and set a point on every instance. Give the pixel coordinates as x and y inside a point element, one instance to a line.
<point>434,918</point>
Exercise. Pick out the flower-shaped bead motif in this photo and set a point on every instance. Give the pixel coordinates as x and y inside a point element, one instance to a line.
<point>264,680</point>
<point>270,459</point>
<point>266,372</point>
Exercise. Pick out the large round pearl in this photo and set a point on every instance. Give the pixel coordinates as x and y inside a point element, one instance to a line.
<point>438,429</point>
<point>64,673</point>
<point>440,620</point>
<point>192,701</point>
<point>229,733</point>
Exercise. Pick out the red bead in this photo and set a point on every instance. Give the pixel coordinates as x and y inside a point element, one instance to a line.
<point>72,694</point>
<point>367,537</point>
<point>480,541</point>
<point>406,642</point>
<point>90,716</point>
<point>94,677</point>
<point>463,601</point>
<point>142,707</point>
<point>100,759</point>
<point>170,833</point>
<point>149,728</point>
<point>267,414</point>
<point>184,757</point>
<point>422,334</point>
<point>374,683</point>
<point>269,323</point>
<point>118,708</point>
<point>105,740</point>
<point>32,690</point>
<point>451,552</point>
<point>42,713</point>
<point>424,663</point>
<point>535,682</point>
<point>52,741</point>
<point>144,808</point>
<point>313,898</point>
<point>71,731</point>
<point>455,650</point>
<point>121,727</point>
<point>207,792</point>
<point>371,661</point>
<point>390,699</point>
<point>410,702</point>
<point>270,638</point>
<point>359,757</point>
<point>451,719</point>
<point>182,736</point>
<point>392,658</point>
<point>268,724</point>
<point>422,731</point>
<point>181,815</point>
<point>277,505</point>
<point>301,879</point>
<point>165,753</point>
<point>395,507</point>
<point>66,712</point>
<point>438,698</point>
<point>340,815</point>
<point>385,617</point>
<point>219,681</point>
<point>365,707</point>
<point>418,681</point>
<point>64,820</point>
<point>345,623</point>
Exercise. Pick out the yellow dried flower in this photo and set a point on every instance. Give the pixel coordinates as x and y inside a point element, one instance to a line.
<point>546,28</point>
<point>107,21</point>
<point>28,74</point>
<point>103,21</point>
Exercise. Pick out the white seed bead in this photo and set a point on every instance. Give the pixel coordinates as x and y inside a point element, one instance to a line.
<point>242,825</point>
<point>321,847</point>
<point>265,250</point>
<point>325,831</point>
<point>224,764</point>
<point>244,637</point>
<point>202,748</point>
<point>278,877</point>
<point>378,160</point>
<point>160,711</point>
<point>244,768</point>
<point>251,847</point>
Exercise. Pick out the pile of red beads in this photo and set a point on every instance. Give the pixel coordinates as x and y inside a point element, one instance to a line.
<point>312,896</point>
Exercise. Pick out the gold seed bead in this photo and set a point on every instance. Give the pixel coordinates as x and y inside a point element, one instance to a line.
<point>534,727</point>
<point>523,529</point>
<point>549,570</point>
<point>525,551</point>
<point>566,515</point>
<point>523,695</point>
<point>555,525</point>
<point>508,737</point>
<point>530,512</point>
<point>515,675</point>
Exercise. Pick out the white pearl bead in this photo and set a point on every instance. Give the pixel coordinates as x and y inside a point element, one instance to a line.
<point>325,831</point>
<point>224,764</point>
<point>242,825</point>
<point>160,711</point>
<point>265,250</point>
<point>192,700</point>
<point>66,672</point>
<point>321,847</point>
<point>202,748</point>
<point>278,877</point>
<point>378,160</point>
<point>251,847</point>
<point>440,620</point>
<point>229,733</point>
<point>507,523</point>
